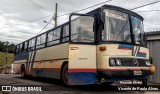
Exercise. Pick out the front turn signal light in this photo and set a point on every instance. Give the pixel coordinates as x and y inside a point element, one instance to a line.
<point>102,48</point>
<point>152,69</point>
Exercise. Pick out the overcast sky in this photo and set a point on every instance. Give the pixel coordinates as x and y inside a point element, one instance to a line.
<point>16,15</point>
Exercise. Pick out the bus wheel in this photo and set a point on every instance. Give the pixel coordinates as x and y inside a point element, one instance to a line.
<point>64,75</point>
<point>23,72</point>
<point>144,82</point>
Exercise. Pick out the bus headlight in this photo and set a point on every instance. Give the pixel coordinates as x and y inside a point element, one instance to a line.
<point>118,62</point>
<point>112,62</point>
<point>148,63</point>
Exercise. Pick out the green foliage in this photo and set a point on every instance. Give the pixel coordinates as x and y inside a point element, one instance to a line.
<point>10,57</point>
<point>6,46</point>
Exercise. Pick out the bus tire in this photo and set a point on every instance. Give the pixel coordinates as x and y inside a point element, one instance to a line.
<point>23,75</point>
<point>64,75</point>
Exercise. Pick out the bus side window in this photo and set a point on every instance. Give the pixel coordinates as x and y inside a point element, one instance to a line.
<point>31,44</point>
<point>54,37</point>
<point>17,49</point>
<point>38,42</point>
<point>65,37</point>
<point>25,46</point>
<point>20,48</point>
<point>82,29</point>
<point>41,41</point>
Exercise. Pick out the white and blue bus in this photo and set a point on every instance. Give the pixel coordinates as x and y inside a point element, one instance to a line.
<point>107,44</point>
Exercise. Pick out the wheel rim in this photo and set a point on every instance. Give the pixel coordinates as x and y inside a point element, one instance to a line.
<point>66,75</point>
<point>22,74</point>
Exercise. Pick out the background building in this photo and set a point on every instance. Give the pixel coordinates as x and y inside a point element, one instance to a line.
<point>153,42</point>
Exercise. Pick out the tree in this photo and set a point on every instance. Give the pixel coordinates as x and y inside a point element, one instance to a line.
<point>3,46</point>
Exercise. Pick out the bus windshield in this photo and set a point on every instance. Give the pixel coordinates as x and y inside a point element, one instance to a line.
<point>117,28</point>
<point>138,31</point>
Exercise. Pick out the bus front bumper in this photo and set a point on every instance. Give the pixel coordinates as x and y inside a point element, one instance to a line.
<point>118,75</point>
<point>124,73</point>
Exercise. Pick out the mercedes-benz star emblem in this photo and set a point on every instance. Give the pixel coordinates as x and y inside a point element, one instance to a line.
<point>135,62</point>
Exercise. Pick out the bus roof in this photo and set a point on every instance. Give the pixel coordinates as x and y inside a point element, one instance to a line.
<point>116,8</point>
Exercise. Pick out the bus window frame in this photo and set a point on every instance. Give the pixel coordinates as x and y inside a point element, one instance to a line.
<point>17,49</point>
<point>70,20</point>
<point>40,41</point>
<point>27,46</point>
<point>34,47</point>
<point>133,35</point>
<point>27,50</point>
<point>62,37</point>
<point>23,44</point>
<point>52,30</point>
<point>20,47</point>
<point>111,41</point>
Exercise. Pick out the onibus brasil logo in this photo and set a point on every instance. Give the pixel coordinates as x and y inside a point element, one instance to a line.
<point>19,88</point>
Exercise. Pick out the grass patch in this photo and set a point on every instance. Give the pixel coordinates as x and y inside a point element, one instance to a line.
<point>3,58</point>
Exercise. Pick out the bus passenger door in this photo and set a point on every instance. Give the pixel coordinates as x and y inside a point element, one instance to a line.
<point>82,50</point>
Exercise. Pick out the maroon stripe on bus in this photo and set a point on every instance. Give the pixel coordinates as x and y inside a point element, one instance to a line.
<point>142,53</point>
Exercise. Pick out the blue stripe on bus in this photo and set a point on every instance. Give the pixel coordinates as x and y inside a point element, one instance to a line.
<point>81,78</point>
<point>45,73</point>
<point>131,47</point>
<point>140,54</point>
<point>126,46</point>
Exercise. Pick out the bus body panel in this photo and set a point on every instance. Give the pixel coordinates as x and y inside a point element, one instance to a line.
<point>116,73</point>
<point>54,52</point>
<point>48,61</point>
<point>123,50</point>
<point>82,64</point>
<point>116,50</point>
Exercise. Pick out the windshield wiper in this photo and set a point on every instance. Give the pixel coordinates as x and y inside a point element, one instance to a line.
<point>122,29</point>
<point>126,39</point>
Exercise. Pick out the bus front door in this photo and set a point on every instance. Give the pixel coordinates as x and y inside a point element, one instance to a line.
<point>82,50</point>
